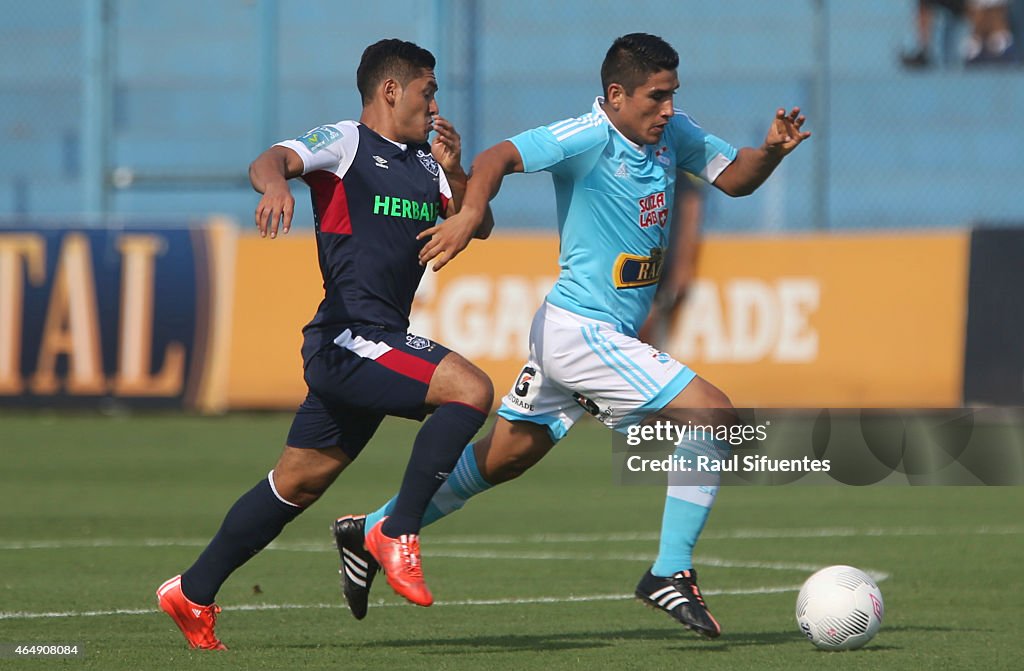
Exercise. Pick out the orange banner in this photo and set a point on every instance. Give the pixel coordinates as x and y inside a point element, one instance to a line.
<point>277,290</point>
<point>810,321</point>
<point>830,320</point>
<point>481,306</point>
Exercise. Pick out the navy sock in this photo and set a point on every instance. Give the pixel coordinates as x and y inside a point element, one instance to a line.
<point>257,518</point>
<point>436,450</point>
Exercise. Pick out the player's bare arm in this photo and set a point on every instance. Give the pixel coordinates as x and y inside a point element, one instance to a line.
<point>686,217</point>
<point>269,175</point>
<point>753,166</point>
<point>449,238</point>
<point>679,275</point>
<point>446,148</point>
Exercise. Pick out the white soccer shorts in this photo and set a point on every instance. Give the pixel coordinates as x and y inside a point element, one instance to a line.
<point>580,365</point>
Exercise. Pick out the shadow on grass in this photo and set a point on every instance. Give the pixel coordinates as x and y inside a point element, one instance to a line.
<point>672,639</point>
<point>578,640</point>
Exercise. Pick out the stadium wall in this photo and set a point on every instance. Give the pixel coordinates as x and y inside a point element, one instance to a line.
<point>805,321</point>
<point>189,104</point>
<point>201,318</point>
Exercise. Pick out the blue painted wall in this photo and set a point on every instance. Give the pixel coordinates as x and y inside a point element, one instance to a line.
<point>905,149</point>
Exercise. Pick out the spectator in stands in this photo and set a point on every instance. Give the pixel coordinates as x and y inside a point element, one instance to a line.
<point>922,55</point>
<point>991,40</point>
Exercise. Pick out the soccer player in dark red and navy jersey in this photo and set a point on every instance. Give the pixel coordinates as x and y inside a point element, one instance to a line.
<point>376,186</point>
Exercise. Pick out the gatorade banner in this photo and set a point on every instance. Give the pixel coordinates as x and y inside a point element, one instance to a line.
<point>829,320</point>
<point>851,320</point>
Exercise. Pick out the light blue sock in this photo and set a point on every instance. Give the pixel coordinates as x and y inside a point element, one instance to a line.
<point>464,482</point>
<point>686,510</point>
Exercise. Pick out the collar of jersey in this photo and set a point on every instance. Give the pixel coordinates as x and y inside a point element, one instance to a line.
<point>399,145</point>
<point>598,101</point>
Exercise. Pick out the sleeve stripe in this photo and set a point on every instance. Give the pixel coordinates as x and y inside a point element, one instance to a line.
<point>562,126</point>
<point>555,127</point>
<point>568,133</point>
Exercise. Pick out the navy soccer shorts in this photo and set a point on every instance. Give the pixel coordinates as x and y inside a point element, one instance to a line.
<point>365,375</point>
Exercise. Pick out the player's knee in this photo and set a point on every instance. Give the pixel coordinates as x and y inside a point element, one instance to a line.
<point>301,492</point>
<point>711,397</point>
<point>457,380</point>
<point>719,400</point>
<point>306,497</point>
<point>716,398</point>
<point>477,390</point>
<point>301,477</point>
<point>701,403</point>
<point>484,393</point>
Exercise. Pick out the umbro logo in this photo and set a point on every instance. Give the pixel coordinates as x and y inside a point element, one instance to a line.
<point>622,171</point>
<point>197,612</point>
<point>381,162</point>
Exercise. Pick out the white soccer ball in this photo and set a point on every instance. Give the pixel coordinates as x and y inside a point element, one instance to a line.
<point>839,608</point>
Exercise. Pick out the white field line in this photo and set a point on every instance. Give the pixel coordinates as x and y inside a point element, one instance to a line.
<point>487,554</point>
<point>614,537</point>
<point>21,615</point>
<point>703,560</point>
<point>736,534</point>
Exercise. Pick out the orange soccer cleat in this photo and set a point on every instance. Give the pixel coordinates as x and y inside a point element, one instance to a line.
<point>399,558</point>
<point>196,622</point>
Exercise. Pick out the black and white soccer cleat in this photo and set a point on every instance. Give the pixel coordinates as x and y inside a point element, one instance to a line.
<point>358,567</point>
<point>680,598</point>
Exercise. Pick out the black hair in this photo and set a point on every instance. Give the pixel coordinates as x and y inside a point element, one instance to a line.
<point>633,58</point>
<point>392,58</point>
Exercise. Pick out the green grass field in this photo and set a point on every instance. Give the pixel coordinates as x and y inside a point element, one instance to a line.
<point>537,574</point>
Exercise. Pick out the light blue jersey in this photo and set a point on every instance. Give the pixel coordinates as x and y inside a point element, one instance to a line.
<point>614,201</point>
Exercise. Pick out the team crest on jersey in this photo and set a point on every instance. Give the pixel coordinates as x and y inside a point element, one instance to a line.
<point>653,210</point>
<point>418,342</point>
<point>661,156</point>
<point>428,162</point>
<point>659,356</point>
<point>319,137</point>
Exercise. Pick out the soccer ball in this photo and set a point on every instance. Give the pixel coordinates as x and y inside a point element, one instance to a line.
<point>839,608</point>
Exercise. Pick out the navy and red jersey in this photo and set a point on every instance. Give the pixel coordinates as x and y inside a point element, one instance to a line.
<point>371,198</point>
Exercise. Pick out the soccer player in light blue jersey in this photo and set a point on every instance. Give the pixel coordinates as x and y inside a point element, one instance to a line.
<point>614,169</point>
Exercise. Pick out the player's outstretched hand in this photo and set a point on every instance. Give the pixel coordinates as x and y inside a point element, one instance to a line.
<point>447,145</point>
<point>275,210</point>
<point>448,238</point>
<point>785,133</point>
